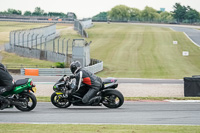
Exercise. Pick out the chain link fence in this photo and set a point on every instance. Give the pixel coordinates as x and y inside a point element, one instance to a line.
<point>31,37</point>
<point>45,44</point>
<point>38,43</point>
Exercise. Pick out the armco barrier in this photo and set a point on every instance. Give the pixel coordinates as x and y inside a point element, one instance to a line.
<point>49,71</point>
<point>80,26</point>
<point>63,71</point>
<point>31,72</point>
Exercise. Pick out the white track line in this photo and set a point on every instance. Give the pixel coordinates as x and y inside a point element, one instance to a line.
<point>183,101</point>
<point>49,123</point>
<point>191,40</point>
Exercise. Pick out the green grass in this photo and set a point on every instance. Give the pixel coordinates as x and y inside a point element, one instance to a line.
<point>68,128</point>
<point>11,60</point>
<point>127,50</point>
<point>134,51</point>
<point>47,99</point>
<point>43,99</point>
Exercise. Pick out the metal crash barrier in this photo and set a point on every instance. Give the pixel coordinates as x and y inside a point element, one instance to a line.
<point>58,71</point>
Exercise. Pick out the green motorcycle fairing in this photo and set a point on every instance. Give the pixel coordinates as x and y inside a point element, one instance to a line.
<point>19,89</point>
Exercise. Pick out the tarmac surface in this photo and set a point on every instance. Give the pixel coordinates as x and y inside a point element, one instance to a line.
<point>131,113</point>
<point>191,33</point>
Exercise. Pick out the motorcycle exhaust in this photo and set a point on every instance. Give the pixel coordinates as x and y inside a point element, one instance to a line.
<point>16,103</point>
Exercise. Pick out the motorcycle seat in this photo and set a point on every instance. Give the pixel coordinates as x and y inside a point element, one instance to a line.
<point>21,82</point>
<point>109,80</point>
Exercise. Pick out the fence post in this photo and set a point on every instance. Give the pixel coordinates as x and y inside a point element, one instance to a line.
<point>10,38</point>
<point>19,37</point>
<point>53,45</point>
<point>82,31</point>
<point>28,38</point>
<point>23,39</point>
<point>36,40</point>
<point>14,37</point>
<point>67,52</point>
<point>41,42</point>
<point>67,46</point>
<point>58,44</point>
<point>32,40</point>
<point>63,45</point>
<point>45,46</point>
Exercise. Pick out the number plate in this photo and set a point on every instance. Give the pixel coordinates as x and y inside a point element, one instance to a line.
<point>34,89</point>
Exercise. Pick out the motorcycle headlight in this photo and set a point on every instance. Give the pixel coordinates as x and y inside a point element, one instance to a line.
<point>55,87</point>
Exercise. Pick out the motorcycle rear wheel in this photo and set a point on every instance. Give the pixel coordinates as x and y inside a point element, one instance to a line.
<point>59,102</point>
<point>30,102</point>
<point>113,99</point>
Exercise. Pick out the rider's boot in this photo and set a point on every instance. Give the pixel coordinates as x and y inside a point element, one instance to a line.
<point>5,102</point>
<point>95,100</point>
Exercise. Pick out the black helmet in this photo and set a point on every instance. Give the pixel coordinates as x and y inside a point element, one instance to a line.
<point>2,66</point>
<point>75,66</point>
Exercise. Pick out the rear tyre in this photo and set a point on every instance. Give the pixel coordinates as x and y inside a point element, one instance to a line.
<point>29,102</point>
<point>59,102</point>
<point>112,99</point>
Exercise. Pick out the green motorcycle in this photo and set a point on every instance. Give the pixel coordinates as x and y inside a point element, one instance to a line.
<point>21,96</point>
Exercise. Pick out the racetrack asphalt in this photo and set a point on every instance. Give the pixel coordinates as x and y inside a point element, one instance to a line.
<point>192,33</point>
<point>131,113</point>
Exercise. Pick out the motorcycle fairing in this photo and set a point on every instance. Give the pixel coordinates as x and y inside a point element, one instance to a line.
<point>20,88</point>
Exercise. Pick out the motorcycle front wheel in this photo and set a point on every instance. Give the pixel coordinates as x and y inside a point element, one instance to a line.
<point>59,102</point>
<point>29,102</point>
<point>112,99</point>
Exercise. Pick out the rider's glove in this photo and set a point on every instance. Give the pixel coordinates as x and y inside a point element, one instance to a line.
<point>71,76</point>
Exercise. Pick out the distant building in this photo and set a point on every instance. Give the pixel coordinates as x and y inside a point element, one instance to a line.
<point>162,9</point>
<point>71,16</point>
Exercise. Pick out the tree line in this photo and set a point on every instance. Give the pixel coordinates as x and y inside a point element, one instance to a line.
<point>37,12</point>
<point>181,13</point>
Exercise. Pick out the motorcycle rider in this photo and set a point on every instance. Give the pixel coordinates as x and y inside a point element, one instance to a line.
<point>6,84</point>
<point>87,78</point>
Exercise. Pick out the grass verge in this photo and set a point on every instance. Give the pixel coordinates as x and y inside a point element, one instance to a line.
<point>69,128</point>
<point>14,61</point>
<point>129,51</point>
<point>142,51</point>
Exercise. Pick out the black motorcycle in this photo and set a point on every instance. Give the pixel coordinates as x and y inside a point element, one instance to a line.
<point>110,97</point>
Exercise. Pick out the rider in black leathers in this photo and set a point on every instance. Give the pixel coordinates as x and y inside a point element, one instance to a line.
<point>6,84</point>
<point>87,78</point>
